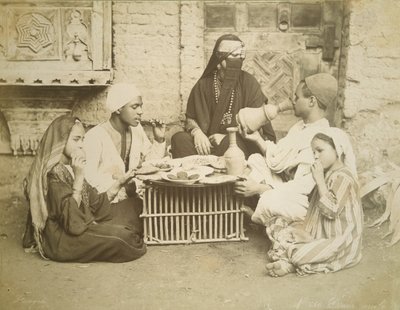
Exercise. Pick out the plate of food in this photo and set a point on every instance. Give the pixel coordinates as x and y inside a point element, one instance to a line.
<point>163,166</point>
<point>182,177</point>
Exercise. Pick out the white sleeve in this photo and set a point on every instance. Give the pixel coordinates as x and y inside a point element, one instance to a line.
<point>94,149</point>
<point>270,148</point>
<point>302,183</point>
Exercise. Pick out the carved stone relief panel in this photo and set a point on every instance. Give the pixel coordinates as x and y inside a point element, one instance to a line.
<point>77,45</point>
<point>55,43</point>
<point>27,125</point>
<point>45,46</point>
<point>33,34</point>
<point>26,112</point>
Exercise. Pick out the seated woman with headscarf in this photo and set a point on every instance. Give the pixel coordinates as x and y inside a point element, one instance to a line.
<point>214,101</point>
<point>71,220</point>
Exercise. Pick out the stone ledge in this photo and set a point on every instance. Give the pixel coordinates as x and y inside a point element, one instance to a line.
<point>55,78</point>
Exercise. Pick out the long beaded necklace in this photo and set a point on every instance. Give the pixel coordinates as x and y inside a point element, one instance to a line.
<point>227,117</point>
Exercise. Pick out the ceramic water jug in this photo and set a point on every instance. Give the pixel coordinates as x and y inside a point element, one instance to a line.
<point>254,118</point>
<point>234,157</point>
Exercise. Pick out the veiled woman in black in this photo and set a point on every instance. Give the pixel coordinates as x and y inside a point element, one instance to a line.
<point>223,89</point>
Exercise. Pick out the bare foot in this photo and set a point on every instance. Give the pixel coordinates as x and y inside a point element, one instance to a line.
<point>279,268</point>
<point>247,210</point>
<point>269,266</point>
<point>270,269</point>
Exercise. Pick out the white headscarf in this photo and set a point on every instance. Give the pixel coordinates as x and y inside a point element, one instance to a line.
<point>343,147</point>
<point>120,94</point>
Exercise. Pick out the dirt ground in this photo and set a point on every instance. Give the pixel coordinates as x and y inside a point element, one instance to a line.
<point>197,276</point>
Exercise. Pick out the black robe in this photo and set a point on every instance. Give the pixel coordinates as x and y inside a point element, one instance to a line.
<point>202,104</point>
<point>94,231</point>
<point>202,108</point>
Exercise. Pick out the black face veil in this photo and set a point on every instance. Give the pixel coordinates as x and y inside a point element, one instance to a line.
<point>217,57</point>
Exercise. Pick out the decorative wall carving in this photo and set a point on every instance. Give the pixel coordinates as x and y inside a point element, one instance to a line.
<point>55,43</point>
<point>43,47</point>
<point>27,126</point>
<point>77,41</point>
<point>33,34</point>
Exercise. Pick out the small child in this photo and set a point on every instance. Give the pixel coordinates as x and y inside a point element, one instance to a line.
<point>330,237</point>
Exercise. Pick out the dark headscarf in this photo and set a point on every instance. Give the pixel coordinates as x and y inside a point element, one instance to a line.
<point>214,59</point>
<point>49,154</point>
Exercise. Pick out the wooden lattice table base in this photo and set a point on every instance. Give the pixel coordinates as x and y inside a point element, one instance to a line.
<point>175,213</point>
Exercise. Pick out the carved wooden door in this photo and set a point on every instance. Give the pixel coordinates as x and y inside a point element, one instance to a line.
<point>285,41</point>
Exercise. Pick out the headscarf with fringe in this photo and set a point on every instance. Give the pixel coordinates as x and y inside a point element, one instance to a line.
<point>49,154</point>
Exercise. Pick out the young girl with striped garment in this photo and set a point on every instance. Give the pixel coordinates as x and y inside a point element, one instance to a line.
<point>329,239</point>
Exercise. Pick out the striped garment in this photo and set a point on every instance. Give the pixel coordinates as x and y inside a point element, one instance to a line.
<point>330,238</point>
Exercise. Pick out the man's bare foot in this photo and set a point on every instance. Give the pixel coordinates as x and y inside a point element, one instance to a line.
<point>279,268</point>
<point>247,210</point>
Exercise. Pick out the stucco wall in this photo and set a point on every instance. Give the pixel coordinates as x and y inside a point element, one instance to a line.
<point>146,50</point>
<point>158,45</point>
<point>372,82</point>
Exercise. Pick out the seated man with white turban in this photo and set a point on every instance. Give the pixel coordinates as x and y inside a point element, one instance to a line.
<point>282,177</point>
<point>119,145</point>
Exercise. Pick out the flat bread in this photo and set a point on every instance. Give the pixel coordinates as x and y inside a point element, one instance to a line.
<point>199,160</point>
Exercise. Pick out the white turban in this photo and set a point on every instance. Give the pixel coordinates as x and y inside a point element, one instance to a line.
<point>120,94</point>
